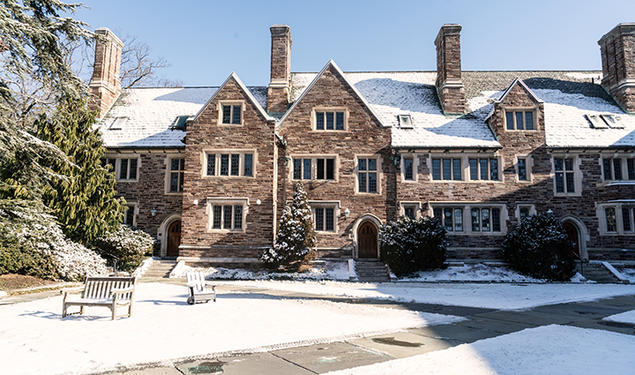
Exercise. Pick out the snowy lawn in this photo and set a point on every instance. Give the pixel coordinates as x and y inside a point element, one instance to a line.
<point>625,317</point>
<point>473,272</point>
<point>494,296</point>
<point>34,340</point>
<point>554,350</point>
<point>629,273</point>
<point>319,271</point>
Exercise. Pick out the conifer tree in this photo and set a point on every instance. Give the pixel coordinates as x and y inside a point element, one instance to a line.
<point>84,197</point>
<point>295,241</point>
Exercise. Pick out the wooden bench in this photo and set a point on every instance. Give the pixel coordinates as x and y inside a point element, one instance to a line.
<point>200,290</point>
<point>111,292</point>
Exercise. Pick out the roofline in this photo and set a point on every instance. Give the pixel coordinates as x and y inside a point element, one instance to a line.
<point>448,147</point>
<point>337,68</point>
<point>517,80</point>
<point>466,70</point>
<point>115,148</point>
<point>593,148</point>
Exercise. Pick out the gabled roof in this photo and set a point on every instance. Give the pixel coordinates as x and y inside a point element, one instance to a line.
<point>518,81</point>
<point>242,86</point>
<point>330,64</point>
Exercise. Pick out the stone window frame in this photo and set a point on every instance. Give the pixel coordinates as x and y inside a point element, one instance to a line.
<point>219,107</point>
<point>624,159</point>
<point>314,158</point>
<point>619,223</point>
<point>523,109</point>
<point>467,216</point>
<point>380,174</point>
<point>415,204</point>
<point>329,109</point>
<point>168,171</point>
<point>117,166</point>
<point>465,166</point>
<point>531,206</point>
<point>135,208</point>
<point>335,205</point>
<point>577,174</point>
<point>415,167</point>
<point>241,163</point>
<point>529,164</point>
<point>225,201</point>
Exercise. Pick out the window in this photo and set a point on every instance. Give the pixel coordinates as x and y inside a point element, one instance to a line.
<point>485,219</point>
<point>520,120</point>
<point>408,168</point>
<point>410,210</point>
<point>604,121</point>
<point>451,218</point>
<point>617,218</point>
<point>405,121</point>
<point>324,218</point>
<point>227,215</point>
<point>127,169</point>
<point>521,169</point>
<point>470,219</point>
<point>484,169</point>
<point>447,169</point>
<point>329,120</point>
<point>180,123</point>
<point>367,175</point>
<point>564,175</point>
<point>617,169</point>
<point>324,168</point>
<point>176,174</point>
<point>524,210</point>
<point>231,114</point>
<point>109,163</point>
<point>129,217</point>
<point>226,164</point>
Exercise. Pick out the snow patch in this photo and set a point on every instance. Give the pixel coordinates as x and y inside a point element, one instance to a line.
<point>327,270</point>
<point>2,293</point>
<point>473,272</point>
<point>625,317</point>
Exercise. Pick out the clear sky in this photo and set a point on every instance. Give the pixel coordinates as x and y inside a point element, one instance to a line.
<point>204,41</point>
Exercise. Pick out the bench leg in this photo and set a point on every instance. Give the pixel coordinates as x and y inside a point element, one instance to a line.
<point>130,310</point>
<point>81,310</point>
<point>64,311</point>
<point>114,310</point>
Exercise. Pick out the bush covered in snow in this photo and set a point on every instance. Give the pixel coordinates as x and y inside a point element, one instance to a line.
<point>295,241</point>
<point>127,246</point>
<point>408,246</point>
<point>539,247</point>
<point>34,244</point>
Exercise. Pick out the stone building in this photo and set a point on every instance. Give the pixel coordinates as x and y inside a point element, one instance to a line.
<point>207,169</point>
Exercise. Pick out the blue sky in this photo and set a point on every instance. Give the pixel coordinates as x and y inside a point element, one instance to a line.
<point>204,41</point>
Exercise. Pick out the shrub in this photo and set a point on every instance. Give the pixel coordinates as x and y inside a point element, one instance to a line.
<point>539,247</point>
<point>34,244</point>
<point>295,241</point>
<point>127,246</point>
<point>408,246</point>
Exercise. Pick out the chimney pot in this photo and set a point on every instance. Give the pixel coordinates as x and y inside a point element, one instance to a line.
<point>278,91</point>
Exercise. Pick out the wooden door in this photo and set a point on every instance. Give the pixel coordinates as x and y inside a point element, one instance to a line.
<point>367,240</point>
<point>174,238</point>
<point>574,237</point>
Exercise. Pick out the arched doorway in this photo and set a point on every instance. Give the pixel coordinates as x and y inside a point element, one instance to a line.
<point>174,239</point>
<point>573,234</point>
<point>367,240</point>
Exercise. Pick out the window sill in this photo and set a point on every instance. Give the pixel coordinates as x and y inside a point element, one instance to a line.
<point>615,234</point>
<point>137,180</point>
<point>173,193</point>
<point>477,234</point>
<point>618,183</point>
<point>225,231</point>
<point>228,177</point>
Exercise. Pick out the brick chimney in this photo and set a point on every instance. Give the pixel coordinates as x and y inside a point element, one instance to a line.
<point>105,85</point>
<point>618,64</point>
<point>449,84</point>
<point>278,92</point>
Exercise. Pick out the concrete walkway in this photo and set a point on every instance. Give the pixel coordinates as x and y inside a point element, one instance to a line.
<point>480,324</point>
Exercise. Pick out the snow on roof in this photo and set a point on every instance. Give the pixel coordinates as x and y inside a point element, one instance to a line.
<point>144,117</point>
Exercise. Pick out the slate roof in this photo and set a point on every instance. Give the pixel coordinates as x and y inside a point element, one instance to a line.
<point>146,115</point>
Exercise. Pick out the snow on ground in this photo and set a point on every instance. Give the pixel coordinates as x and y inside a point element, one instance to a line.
<point>472,272</point>
<point>625,317</point>
<point>34,340</point>
<point>2,293</point>
<point>629,273</point>
<point>319,271</point>
<point>494,296</point>
<point>553,349</point>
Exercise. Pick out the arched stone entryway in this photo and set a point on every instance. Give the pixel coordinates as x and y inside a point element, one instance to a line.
<point>366,236</point>
<point>170,234</point>
<point>576,231</point>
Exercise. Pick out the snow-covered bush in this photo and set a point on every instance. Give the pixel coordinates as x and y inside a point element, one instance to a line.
<point>408,245</point>
<point>34,244</point>
<point>539,247</point>
<point>127,246</point>
<point>295,241</point>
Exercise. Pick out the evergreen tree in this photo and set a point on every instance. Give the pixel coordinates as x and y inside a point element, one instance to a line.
<point>84,199</point>
<point>295,241</point>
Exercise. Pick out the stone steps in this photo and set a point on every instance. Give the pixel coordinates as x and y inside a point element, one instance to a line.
<point>371,271</point>
<point>598,273</point>
<point>159,269</point>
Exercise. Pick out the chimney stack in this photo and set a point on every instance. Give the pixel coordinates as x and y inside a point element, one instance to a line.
<point>105,85</point>
<point>449,84</point>
<point>278,92</point>
<point>618,64</point>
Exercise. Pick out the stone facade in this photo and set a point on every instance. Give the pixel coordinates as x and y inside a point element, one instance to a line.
<point>104,84</point>
<point>448,83</point>
<point>278,91</point>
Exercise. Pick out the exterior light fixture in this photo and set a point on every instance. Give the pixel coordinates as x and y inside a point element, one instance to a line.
<point>153,212</point>
<point>195,202</point>
<point>347,212</point>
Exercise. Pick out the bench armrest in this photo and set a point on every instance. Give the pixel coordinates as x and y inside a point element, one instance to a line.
<point>122,291</point>
<point>65,291</point>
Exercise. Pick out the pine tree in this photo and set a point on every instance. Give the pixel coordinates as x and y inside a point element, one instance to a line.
<point>84,197</point>
<point>295,241</point>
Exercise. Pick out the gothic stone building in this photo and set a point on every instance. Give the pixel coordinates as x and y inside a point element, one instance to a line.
<point>207,170</point>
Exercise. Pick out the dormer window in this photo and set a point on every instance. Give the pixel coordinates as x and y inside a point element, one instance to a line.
<point>330,119</point>
<point>231,113</point>
<point>117,122</point>
<point>604,121</point>
<point>520,119</point>
<point>180,123</point>
<point>405,121</point>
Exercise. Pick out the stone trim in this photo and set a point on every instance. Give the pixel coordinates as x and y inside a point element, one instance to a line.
<point>577,174</point>
<point>314,158</point>
<point>380,173</point>
<point>241,162</point>
<point>335,205</point>
<point>329,109</point>
<point>219,109</point>
<point>619,223</point>
<point>529,165</point>
<point>415,167</point>
<point>220,201</point>
<point>467,216</point>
